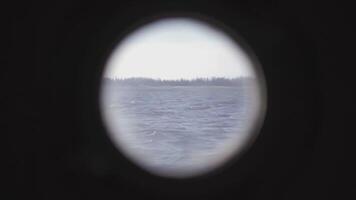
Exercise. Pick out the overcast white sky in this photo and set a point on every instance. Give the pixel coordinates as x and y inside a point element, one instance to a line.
<point>175,48</point>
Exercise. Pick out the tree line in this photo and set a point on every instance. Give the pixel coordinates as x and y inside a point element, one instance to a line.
<point>214,81</point>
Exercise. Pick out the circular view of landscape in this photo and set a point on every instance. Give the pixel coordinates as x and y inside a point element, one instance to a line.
<point>180,97</point>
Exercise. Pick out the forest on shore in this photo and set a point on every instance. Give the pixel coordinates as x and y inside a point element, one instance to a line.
<point>215,81</point>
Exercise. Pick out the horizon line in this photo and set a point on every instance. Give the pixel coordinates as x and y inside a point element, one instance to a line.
<point>177,79</point>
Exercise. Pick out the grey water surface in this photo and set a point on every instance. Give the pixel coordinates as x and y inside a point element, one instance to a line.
<point>177,127</point>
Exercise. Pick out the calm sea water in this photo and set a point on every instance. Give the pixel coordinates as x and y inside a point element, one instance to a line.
<point>173,127</point>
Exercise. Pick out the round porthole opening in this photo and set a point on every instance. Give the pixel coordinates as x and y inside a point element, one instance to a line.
<point>182,96</point>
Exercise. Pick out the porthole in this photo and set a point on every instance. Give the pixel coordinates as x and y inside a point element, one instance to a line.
<point>182,96</point>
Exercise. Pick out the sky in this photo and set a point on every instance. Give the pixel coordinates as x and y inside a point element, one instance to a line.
<point>178,48</point>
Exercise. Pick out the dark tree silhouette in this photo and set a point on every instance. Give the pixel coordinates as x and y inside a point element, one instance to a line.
<point>215,81</point>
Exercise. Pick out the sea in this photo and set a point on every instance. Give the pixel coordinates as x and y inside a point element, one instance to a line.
<point>177,129</point>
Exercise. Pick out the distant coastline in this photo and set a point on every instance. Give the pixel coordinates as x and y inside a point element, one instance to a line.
<point>215,81</point>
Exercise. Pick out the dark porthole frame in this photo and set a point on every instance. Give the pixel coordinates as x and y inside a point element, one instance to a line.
<point>284,144</point>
